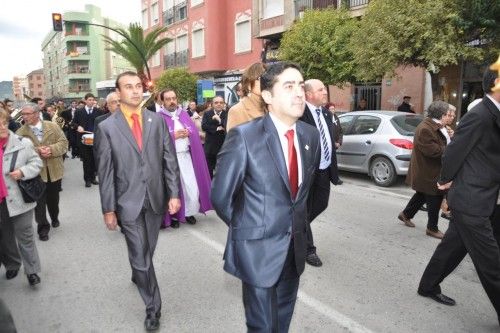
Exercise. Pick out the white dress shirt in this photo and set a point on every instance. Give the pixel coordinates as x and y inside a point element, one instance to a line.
<point>324,163</point>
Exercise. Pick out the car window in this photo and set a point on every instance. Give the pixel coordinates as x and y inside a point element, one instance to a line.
<point>406,124</point>
<point>366,125</point>
<point>345,123</point>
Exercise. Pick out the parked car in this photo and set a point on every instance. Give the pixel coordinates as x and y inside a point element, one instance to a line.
<point>378,143</point>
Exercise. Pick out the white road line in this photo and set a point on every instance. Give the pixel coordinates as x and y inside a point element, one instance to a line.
<point>310,301</point>
<point>377,190</point>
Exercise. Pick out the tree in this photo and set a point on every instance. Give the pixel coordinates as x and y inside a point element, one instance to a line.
<point>148,45</point>
<point>318,42</point>
<point>179,80</point>
<point>426,33</point>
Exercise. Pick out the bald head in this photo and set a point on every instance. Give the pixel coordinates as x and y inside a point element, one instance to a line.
<point>316,92</point>
<point>112,101</point>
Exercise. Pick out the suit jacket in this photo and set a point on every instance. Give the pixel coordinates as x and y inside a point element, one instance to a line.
<point>213,138</point>
<point>339,134</point>
<point>68,117</point>
<point>425,164</point>
<point>254,200</point>
<point>472,161</point>
<point>100,119</point>
<point>54,137</point>
<point>307,117</point>
<point>85,120</point>
<point>127,174</point>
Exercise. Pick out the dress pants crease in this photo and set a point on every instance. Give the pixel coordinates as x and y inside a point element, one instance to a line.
<point>317,202</point>
<point>433,206</point>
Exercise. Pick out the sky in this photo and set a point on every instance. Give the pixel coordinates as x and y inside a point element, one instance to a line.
<point>25,23</point>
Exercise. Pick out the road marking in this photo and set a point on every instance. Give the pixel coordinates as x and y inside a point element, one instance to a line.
<point>310,301</point>
<point>377,190</point>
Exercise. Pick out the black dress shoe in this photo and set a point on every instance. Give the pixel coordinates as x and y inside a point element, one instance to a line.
<point>440,298</point>
<point>87,184</point>
<point>446,215</point>
<point>55,223</point>
<point>174,224</point>
<point>133,280</point>
<point>95,182</point>
<point>340,182</point>
<point>33,279</point>
<point>313,260</point>
<point>11,273</point>
<point>151,323</point>
<point>44,238</point>
<point>190,219</point>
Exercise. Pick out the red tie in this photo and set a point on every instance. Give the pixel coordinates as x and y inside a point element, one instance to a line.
<point>293,170</point>
<point>136,130</point>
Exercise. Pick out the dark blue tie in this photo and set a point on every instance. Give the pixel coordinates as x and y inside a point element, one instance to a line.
<point>324,143</point>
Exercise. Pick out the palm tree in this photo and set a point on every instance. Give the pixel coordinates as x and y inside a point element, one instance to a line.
<point>137,47</point>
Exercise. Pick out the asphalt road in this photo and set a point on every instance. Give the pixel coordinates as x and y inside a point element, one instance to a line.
<point>372,265</point>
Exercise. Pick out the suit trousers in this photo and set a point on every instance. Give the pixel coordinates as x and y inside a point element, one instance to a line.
<point>89,170</point>
<point>18,238</point>
<point>317,202</point>
<point>6,321</point>
<point>433,206</point>
<point>495,224</point>
<point>141,236</point>
<point>50,202</point>
<point>466,234</point>
<point>211,163</point>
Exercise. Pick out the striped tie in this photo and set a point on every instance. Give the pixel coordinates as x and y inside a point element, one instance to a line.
<point>324,143</point>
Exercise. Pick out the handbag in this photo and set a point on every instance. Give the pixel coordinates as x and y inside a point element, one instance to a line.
<point>31,189</point>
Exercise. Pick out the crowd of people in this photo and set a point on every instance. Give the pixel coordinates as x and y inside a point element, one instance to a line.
<point>160,166</point>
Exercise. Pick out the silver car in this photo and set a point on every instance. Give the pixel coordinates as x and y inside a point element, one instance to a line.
<point>378,143</point>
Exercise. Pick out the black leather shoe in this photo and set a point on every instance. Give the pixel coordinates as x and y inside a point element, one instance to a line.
<point>33,279</point>
<point>174,224</point>
<point>151,323</point>
<point>87,184</point>
<point>313,260</point>
<point>133,280</point>
<point>190,219</point>
<point>11,273</point>
<point>55,223</point>
<point>340,182</point>
<point>446,215</point>
<point>44,238</point>
<point>440,298</point>
<point>95,182</point>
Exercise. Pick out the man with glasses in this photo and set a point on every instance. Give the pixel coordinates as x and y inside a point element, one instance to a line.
<point>214,124</point>
<point>51,144</point>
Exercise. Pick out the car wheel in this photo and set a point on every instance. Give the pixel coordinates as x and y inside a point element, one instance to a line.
<point>382,171</point>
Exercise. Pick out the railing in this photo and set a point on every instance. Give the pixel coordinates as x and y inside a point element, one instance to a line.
<point>177,59</point>
<point>76,33</point>
<point>76,53</point>
<point>79,88</point>
<point>78,70</point>
<point>302,5</point>
<point>175,14</point>
<point>355,3</point>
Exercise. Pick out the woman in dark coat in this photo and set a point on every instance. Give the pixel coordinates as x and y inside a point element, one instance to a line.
<point>429,144</point>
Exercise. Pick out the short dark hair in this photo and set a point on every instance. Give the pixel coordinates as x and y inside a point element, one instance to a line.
<point>489,78</point>
<point>269,77</point>
<point>88,95</point>
<point>127,73</point>
<point>405,97</point>
<point>437,109</point>
<point>165,91</point>
<point>35,100</point>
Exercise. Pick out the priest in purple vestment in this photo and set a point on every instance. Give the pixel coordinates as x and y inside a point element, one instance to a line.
<point>195,178</point>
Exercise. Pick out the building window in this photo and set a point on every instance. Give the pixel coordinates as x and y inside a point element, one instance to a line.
<point>198,43</point>
<point>242,37</point>
<point>181,11</point>
<point>168,4</point>
<point>145,19</point>
<point>155,60</point>
<point>182,43</point>
<point>196,2</point>
<point>272,8</point>
<point>39,86</point>
<point>154,13</point>
<point>170,47</point>
<point>38,77</point>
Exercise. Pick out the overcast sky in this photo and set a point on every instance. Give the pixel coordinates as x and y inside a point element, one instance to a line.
<point>25,23</point>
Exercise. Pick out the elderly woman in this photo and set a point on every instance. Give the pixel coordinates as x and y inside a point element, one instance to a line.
<point>251,106</point>
<point>16,215</point>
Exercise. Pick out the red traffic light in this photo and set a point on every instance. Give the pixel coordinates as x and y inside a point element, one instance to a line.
<point>57,23</point>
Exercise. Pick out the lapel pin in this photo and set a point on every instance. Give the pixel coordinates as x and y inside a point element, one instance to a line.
<point>149,119</point>
<point>306,147</point>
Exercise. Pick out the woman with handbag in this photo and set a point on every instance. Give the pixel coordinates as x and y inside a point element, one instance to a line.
<point>19,162</point>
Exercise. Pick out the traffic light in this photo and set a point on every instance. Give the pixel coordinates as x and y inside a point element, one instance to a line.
<point>57,22</point>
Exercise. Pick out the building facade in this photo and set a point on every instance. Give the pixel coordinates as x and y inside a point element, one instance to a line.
<point>36,84</point>
<point>212,38</point>
<point>20,87</point>
<point>76,59</point>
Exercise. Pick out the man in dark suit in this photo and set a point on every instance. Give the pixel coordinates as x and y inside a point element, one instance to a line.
<point>471,171</point>
<point>262,194</point>
<point>139,179</point>
<point>68,129</point>
<point>214,124</point>
<point>113,104</point>
<point>84,122</point>
<point>316,115</point>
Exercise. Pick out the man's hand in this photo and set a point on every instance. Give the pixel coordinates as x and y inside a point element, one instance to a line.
<point>174,204</point>
<point>45,151</point>
<point>216,117</point>
<point>220,128</point>
<point>337,145</point>
<point>16,174</point>
<point>110,220</point>
<point>180,134</point>
<point>80,129</point>
<point>444,187</point>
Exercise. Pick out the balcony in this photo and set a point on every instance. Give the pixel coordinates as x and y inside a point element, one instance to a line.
<point>76,32</point>
<point>302,5</point>
<point>78,70</point>
<point>79,88</point>
<point>175,14</point>
<point>177,59</point>
<point>352,4</point>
